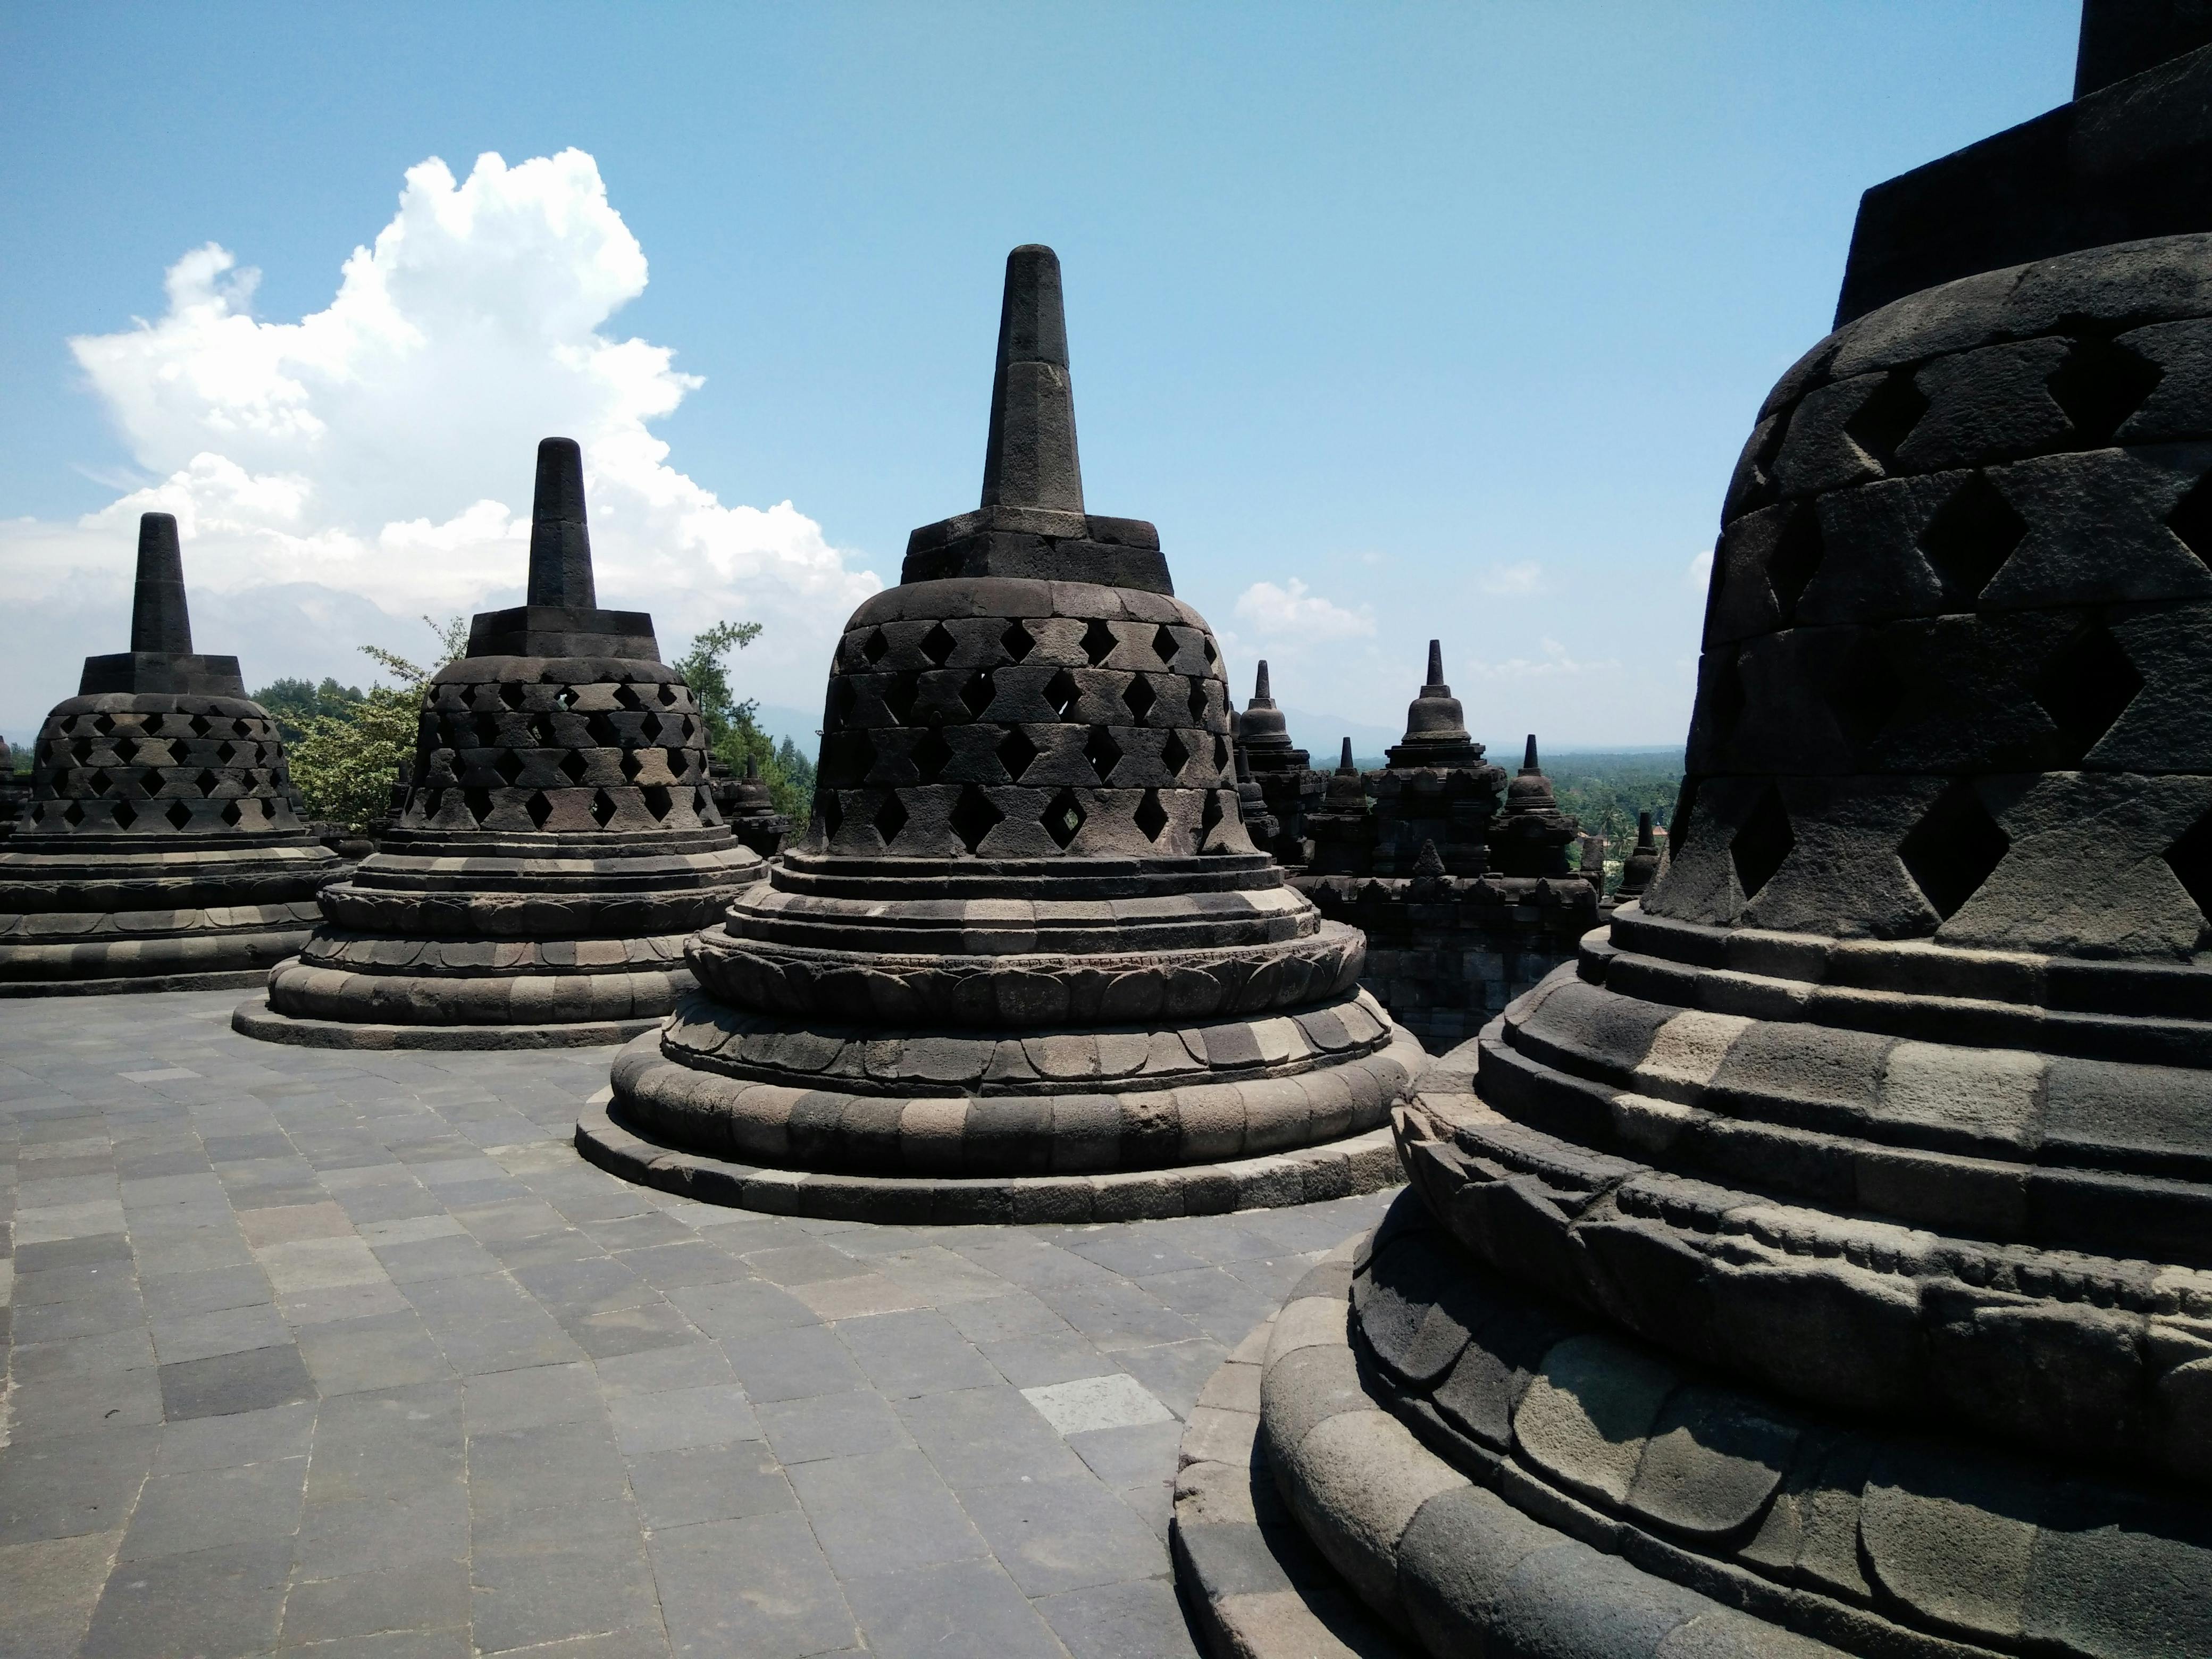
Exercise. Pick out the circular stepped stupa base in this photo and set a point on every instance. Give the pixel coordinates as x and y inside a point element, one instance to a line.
<point>254,1017</point>
<point>1298,1498</point>
<point>1340,1169</point>
<point>139,984</point>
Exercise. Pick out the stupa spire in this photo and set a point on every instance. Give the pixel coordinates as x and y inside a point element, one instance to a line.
<point>159,619</point>
<point>560,541</point>
<point>1436,668</point>
<point>1344,764</point>
<point>1529,756</point>
<point>1260,694</point>
<point>1030,459</point>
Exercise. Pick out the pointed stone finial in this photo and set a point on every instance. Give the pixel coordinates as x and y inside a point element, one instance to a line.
<point>1644,841</point>
<point>159,620</point>
<point>1030,460</point>
<point>1529,759</point>
<point>1260,687</point>
<point>1430,862</point>
<point>560,543</point>
<point>1437,667</point>
<point>752,772</point>
<point>1343,764</point>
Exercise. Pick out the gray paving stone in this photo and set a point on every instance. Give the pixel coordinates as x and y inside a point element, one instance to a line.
<point>756,1586</point>
<point>508,1403</point>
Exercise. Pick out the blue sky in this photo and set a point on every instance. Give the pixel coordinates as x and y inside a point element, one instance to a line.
<point>1399,320</point>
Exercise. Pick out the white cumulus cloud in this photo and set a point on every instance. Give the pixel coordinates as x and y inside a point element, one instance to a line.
<point>376,456</point>
<point>1525,577</point>
<point>1700,571</point>
<point>1297,616</point>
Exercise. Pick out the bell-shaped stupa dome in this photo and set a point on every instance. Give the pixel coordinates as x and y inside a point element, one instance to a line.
<point>1026,959</point>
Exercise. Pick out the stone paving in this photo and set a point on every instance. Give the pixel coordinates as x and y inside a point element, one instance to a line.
<point>351,1353</point>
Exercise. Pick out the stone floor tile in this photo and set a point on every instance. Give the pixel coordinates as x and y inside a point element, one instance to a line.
<point>553,1466</point>
<point>227,1330</point>
<point>41,1409</point>
<point>790,1265</point>
<point>832,1425</point>
<point>756,1586</point>
<point>72,1485</point>
<point>379,1534</point>
<point>793,1364</point>
<point>48,1592</point>
<point>386,1351</point>
<point>655,1371</point>
<point>540,1394</point>
<point>546,1574</point>
<point>1113,1401</point>
<point>694,1262</point>
<point>963,1608</point>
<point>83,1356</point>
<point>214,1604</point>
<point>1059,1356</point>
<point>631,1330</point>
<point>320,1264</point>
<point>741,1309</point>
<point>203,1509</point>
<point>1014,1313</point>
<point>1124,1456</point>
<point>1176,1371</point>
<point>668,1421</point>
<point>858,1297</point>
<point>323,1219</point>
<point>1136,1251</point>
<point>988,1435</point>
<point>1221,1304</point>
<point>1055,1535</point>
<point>883,1511</point>
<point>178,1295</point>
<point>229,1383</point>
<point>1138,1620</point>
<point>914,1354</point>
<point>114,1306</point>
<point>427,1596</point>
<point>709,1483</point>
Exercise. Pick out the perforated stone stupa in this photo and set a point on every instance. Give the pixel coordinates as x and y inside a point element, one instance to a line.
<point>558,839</point>
<point>1026,963</point>
<point>1823,1262</point>
<point>1289,789</point>
<point>160,846</point>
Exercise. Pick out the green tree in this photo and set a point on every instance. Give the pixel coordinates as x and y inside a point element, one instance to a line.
<point>733,734</point>
<point>344,763</point>
<point>292,703</point>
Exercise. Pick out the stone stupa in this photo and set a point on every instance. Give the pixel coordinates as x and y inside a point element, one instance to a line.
<point>161,846</point>
<point>1025,962</point>
<point>557,842</point>
<point>1288,785</point>
<point>1823,1263</point>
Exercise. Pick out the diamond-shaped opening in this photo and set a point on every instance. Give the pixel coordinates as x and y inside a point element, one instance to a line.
<point>2190,861</point>
<point>486,728</point>
<point>626,697</point>
<point>1017,640</point>
<point>126,751</point>
<point>179,814</point>
<point>1209,817</point>
<point>829,810</point>
<point>73,814</point>
<point>603,808</point>
<point>508,766</point>
<point>1098,641</point>
<point>1165,645</point>
<point>541,731</point>
<point>1762,841</point>
<point>685,728</point>
<point>201,727</point>
<point>631,766</point>
<point>875,647</point>
<point>667,694</point>
<point>1888,417</point>
<point>572,766</point>
<point>899,694</point>
<point>125,815</point>
<point>1796,556</point>
<point>602,731</point>
<point>677,760</point>
<point>2191,518</point>
<point>1867,689</point>
<point>103,724</point>
<point>1063,817</point>
<point>650,727</point>
<point>2085,686</point>
<point>567,697</point>
<point>1102,752</point>
<point>842,698</point>
<point>2099,385</point>
<point>99,781</point>
<point>478,801</point>
<point>226,751</point>
<point>81,748</point>
<point>510,694</point>
<point>658,800</point>
<point>1970,537</point>
<point>1197,703</point>
<point>889,819</point>
<point>1140,697</point>
<point>930,755</point>
<point>1221,754</point>
<point>974,816</point>
<point>206,782</point>
<point>539,808</point>
<point>1016,751</point>
<point>975,695</point>
<point>939,644</point>
<point>231,814</point>
<point>1174,755</point>
<point>1207,640</point>
<point>1952,850</point>
<point>1151,817</point>
<point>1063,693</point>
